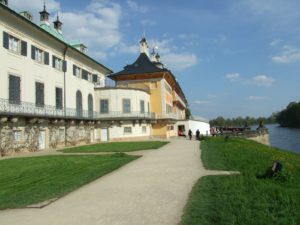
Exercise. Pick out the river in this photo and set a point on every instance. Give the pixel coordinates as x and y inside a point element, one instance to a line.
<point>284,138</point>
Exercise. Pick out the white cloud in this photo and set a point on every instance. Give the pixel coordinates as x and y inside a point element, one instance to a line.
<point>34,6</point>
<point>122,48</point>
<point>257,98</point>
<point>263,80</point>
<point>232,76</point>
<point>280,15</point>
<point>97,25</point>
<point>288,55</point>
<point>136,7</point>
<point>180,61</point>
<point>201,102</point>
<point>275,42</point>
<point>147,22</point>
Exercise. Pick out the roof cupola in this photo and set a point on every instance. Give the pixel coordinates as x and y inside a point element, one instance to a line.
<point>58,24</point>
<point>44,16</point>
<point>144,48</point>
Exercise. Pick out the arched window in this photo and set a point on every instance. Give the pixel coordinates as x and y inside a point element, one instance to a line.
<point>90,105</point>
<point>78,104</point>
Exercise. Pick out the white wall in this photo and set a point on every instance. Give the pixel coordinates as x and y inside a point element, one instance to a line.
<point>115,98</point>
<point>31,71</point>
<point>203,127</point>
<point>117,132</point>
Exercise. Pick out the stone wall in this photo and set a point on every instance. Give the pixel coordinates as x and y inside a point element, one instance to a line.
<point>24,134</point>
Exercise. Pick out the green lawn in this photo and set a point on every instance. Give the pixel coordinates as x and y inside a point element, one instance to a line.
<point>244,199</point>
<point>117,147</point>
<point>24,181</point>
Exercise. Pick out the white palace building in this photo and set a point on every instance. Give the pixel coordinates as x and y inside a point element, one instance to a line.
<point>53,94</point>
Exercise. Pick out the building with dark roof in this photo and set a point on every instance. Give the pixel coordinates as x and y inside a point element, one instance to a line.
<point>168,101</point>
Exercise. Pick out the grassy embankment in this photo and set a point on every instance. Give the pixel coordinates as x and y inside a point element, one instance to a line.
<point>117,147</point>
<point>245,199</point>
<point>26,181</point>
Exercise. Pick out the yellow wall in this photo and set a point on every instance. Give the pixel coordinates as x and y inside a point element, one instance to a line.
<point>159,130</point>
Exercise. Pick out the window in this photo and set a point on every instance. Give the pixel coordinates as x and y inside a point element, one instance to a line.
<point>95,78</point>
<point>90,105</point>
<point>36,54</point>
<point>104,106</point>
<point>17,135</point>
<point>85,75</point>
<point>169,108</point>
<point>14,89</point>
<point>169,90</point>
<point>39,55</point>
<point>144,129</point>
<point>39,94</point>
<point>14,44</point>
<point>142,106</point>
<point>126,106</point>
<point>78,103</point>
<point>127,130</point>
<point>76,71</point>
<point>58,98</point>
<point>59,64</point>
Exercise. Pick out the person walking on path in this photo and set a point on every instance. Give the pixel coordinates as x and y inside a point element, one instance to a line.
<point>197,134</point>
<point>190,134</point>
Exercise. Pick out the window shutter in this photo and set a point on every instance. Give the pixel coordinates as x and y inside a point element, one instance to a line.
<point>46,58</point>
<point>32,52</point>
<point>5,40</point>
<point>24,48</point>
<point>74,70</point>
<point>64,66</point>
<point>95,78</point>
<point>39,94</point>
<point>14,89</point>
<point>53,61</point>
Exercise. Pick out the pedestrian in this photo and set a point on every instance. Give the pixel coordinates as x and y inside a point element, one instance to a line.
<point>197,134</point>
<point>190,134</point>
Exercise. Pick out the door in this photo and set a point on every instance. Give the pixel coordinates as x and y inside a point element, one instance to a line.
<point>104,134</point>
<point>92,135</point>
<point>42,139</point>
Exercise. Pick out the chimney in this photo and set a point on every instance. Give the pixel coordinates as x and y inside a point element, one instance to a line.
<point>4,2</point>
<point>27,15</point>
<point>44,16</point>
<point>144,48</point>
<point>58,24</point>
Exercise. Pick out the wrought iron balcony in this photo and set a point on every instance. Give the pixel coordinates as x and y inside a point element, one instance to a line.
<point>30,109</point>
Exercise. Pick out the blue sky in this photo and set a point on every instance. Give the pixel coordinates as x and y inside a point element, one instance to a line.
<point>231,57</point>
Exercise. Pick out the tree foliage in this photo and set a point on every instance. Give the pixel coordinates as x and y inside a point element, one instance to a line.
<point>290,117</point>
<point>242,121</point>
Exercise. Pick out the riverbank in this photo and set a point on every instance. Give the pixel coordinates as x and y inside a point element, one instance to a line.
<point>247,198</point>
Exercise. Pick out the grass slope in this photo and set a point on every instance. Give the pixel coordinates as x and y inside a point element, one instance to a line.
<point>244,199</point>
<point>25,181</point>
<point>117,147</point>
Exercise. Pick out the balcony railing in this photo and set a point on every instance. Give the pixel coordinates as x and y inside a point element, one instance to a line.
<point>30,109</point>
<point>178,98</point>
<point>168,116</point>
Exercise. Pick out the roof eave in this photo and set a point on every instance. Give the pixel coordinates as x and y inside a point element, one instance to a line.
<point>55,38</point>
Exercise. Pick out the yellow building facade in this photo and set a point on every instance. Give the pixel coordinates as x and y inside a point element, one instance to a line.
<point>167,100</point>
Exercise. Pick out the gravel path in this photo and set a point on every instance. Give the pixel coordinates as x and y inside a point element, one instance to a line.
<point>151,190</point>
